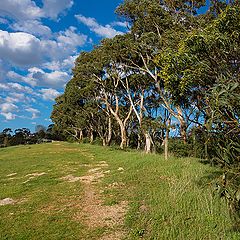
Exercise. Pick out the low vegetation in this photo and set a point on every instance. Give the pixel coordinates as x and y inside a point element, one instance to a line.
<point>55,190</point>
<point>175,73</point>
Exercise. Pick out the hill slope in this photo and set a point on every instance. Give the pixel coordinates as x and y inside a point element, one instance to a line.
<point>70,191</point>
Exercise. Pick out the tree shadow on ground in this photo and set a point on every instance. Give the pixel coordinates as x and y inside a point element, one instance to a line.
<point>210,179</point>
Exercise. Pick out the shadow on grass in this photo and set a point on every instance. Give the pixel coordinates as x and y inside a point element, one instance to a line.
<point>210,178</point>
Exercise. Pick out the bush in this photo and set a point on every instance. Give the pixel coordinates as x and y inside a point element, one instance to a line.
<point>179,149</point>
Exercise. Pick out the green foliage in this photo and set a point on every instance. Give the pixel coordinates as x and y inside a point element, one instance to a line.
<point>173,60</point>
<point>179,149</point>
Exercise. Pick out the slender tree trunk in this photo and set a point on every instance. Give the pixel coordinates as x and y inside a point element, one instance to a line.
<point>76,133</point>
<point>139,141</point>
<point>183,131</point>
<point>166,139</point>
<point>123,136</point>
<point>109,137</point>
<point>148,142</point>
<point>122,123</point>
<point>80,135</point>
<point>103,142</point>
<point>183,125</point>
<point>91,136</point>
<point>6,142</point>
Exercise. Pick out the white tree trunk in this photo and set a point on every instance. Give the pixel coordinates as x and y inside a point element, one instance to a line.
<point>148,142</point>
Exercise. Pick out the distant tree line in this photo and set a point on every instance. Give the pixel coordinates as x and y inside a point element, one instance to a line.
<point>24,136</point>
<point>176,70</point>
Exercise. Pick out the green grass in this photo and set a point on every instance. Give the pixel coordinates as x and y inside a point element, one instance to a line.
<point>171,199</point>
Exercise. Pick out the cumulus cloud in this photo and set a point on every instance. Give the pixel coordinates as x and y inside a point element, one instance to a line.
<point>19,48</point>
<point>15,97</point>
<point>20,9</point>
<point>65,65</point>
<point>52,8</point>
<point>8,116</point>
<point>49,94</point>
<point>33,27</point>
<point>35,112</point>
<point>55,79</point>
<point>4,86</point>
<point>69,38</point>
<point>16,87</point>
<point>24,49</point>
<point>27,9</point>
<point>13,76</point>
<point>120,24</point>
<point>7,109</point>
<point>38,77</point>
<point>103,31</point>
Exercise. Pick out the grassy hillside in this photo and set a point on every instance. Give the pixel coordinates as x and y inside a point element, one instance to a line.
<point>70,191</point>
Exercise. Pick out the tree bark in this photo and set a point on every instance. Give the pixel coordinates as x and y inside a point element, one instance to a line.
<point>183,125</point>
<point>123,136</point>
<point>109,137</point>
<point>139,140</point>
<point>183,131</point>
<point>81,136</point>
<point>166,139</point>
<point>91,136</point>
<point>148,142</point>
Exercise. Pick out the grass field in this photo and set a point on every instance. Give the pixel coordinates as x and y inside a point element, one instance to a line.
<point>71,191</point>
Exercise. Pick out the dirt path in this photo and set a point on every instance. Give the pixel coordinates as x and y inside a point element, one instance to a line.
<point>94,213</point>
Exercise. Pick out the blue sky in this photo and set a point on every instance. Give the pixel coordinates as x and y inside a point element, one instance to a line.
<point>39,41</point>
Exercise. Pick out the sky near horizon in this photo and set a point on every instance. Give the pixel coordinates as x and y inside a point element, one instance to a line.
<point>39,41</point>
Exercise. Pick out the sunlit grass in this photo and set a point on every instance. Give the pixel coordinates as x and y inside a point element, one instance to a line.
<point>171,199</point>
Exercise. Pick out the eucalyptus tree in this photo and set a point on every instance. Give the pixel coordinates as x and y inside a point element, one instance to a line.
<point>113,94</point>
<point>5,136</point>
<point>155,26</point>
<point>90,76</point>
<point>65,118</point>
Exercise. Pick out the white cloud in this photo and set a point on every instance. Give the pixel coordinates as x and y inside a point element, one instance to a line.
<point>33,27</point>
<point>49,94</point>
<point>8,107</point>
<point>23,49</point>
<point>120,24</point>
<point>53,79</point>
<point>20,9</point>
<point>35,113</point>
<point>15,97</point>
<point>52,8</point>
<point>69,38</point>
<point>19,48</point>
<point>103,31</point>
<point>38,77</point>
<point>65,65</point>
<point>13,76</point>
<point>9,115</point>
<point>11,99</point>
<point>27,9</point>
<point>16,87</point>
<point>4,86</point>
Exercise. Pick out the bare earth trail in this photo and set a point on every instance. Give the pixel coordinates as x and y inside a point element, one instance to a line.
<point>87,192</point>
<point>93,212</point>
<point>82,198</point>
